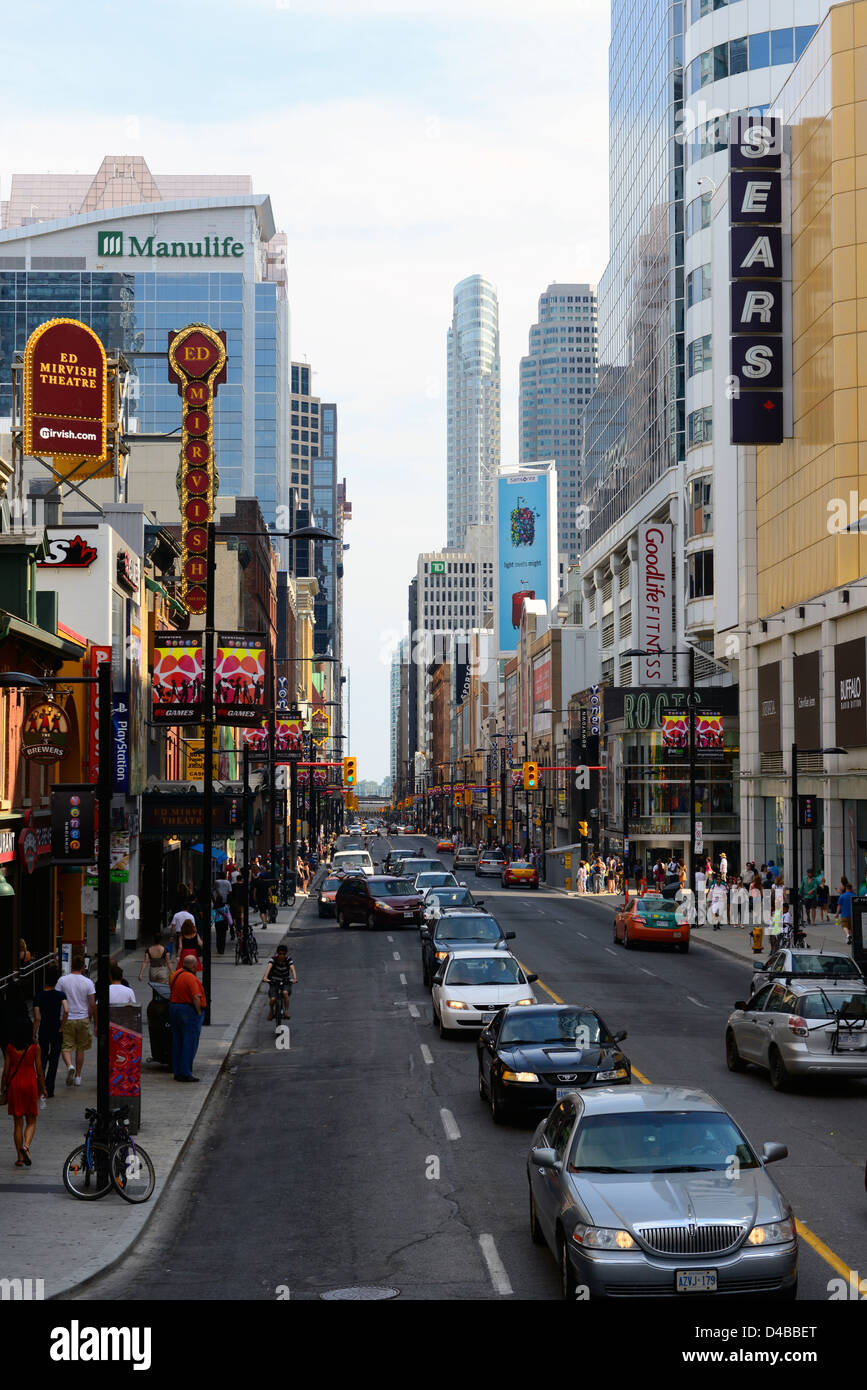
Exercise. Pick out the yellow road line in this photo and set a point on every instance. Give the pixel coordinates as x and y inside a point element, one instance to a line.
<point>824,1251</point>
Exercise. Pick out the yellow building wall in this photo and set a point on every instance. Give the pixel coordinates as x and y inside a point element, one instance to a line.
<point>825,105</point>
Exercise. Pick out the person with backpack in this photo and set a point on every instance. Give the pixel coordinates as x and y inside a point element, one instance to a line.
<point>221,920</point>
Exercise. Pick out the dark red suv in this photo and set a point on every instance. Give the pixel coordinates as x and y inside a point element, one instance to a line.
<point>378,901</point>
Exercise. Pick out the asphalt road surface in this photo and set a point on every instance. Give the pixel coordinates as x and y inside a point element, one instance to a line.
<point>361,1157</point>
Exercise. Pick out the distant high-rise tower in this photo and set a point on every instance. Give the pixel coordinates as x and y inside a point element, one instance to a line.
<point>473,407</point>
<point>558,376</point>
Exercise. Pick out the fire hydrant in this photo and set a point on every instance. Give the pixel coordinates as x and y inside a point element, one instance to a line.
<point>757,934</point>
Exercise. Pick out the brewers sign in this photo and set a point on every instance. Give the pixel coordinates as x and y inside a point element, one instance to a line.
<point>66,392</point>
<point>197,362</point>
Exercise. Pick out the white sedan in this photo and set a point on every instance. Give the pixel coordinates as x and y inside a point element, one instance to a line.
<point>471,986</point>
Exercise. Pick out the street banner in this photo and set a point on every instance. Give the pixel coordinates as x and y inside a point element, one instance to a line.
<point>177,679</point>
<point>73,811</point>
<point>239,678</point>
<point>120,720</point>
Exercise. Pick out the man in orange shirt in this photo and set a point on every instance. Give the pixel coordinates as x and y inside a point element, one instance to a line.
<point>186,1013</point>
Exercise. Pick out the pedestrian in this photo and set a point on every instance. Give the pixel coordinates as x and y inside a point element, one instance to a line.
<point>611,884</point>
<point>22,1083</point>
<point>49,1015</point>
<point>24,957</point>
<point>723,866</point>
<point>186,935</point>
<point>810,895</point>
<point>844,909</point>
<point>822,898</point>
<point>185,1013</point>
<point>156,959</point>
<point>77,1033</point>
<point>118,992</point>
<point>303,874</point>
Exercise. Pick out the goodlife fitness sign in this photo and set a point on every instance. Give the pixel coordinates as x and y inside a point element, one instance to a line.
<point>65,392</point>
<point>655,588</point>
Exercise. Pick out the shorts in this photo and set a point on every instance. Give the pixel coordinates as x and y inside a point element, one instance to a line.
<point>274,988</point>
<point>77,1035</point>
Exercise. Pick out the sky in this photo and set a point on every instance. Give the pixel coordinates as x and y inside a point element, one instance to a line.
<point>405,145</point>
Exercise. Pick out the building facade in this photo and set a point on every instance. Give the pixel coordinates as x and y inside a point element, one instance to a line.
<point>557,379</point>
<point>473,408</point>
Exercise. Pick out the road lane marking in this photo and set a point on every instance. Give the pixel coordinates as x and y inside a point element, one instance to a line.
<point>403,979</point>
<point>826,1253</point>
<point>413,1011</point>
<point>696,1001</point>
<point>583,937</point>
<point>389,938</point>
<point>396,955</point>
<point>450,1124</point>
<point>496,1268</point>
<point>648,972</point>
<point>427,1054</point>
<point>610,952</point>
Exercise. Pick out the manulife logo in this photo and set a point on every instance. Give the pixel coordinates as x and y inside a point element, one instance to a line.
<point>210,247</point>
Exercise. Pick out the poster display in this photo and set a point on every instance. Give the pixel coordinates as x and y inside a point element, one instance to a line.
<point>239,678</point>
<point>526,531</point>
<point>177,679</point>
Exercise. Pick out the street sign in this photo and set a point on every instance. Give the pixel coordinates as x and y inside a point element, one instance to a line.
<point>699,837</point>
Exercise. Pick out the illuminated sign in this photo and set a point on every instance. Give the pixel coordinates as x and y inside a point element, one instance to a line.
<point>756,241</point>
<point>68,554</point>
<point>66,396</point>
<point>197,363</point>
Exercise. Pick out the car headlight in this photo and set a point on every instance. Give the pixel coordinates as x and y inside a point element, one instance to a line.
<point>525,1001</point>
<point>520,1076</point>
<point>618,1074</point>
<point>455,1004</point>
<point>773,1233</point>
<point>603,1238</point>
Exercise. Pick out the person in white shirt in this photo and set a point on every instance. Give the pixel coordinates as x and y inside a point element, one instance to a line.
<point>80,994</point>
<point>118,992</point>
<point>723,866</point>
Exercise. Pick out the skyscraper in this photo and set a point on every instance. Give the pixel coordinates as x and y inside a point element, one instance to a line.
<point>473,407</point>
<point>557,379</point>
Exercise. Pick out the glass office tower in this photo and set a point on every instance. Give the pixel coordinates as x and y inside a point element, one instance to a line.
<point>473,407</point>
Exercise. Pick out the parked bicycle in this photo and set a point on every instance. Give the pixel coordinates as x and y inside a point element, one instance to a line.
<point>96,1168</point>
<point>246,947</point>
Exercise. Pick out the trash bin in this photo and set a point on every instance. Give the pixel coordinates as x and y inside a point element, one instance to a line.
<point>124,1060</point>
<point>159,1025</point>
<point>757,935</point>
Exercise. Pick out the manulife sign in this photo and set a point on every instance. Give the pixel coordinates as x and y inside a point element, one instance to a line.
<point>123,244</point>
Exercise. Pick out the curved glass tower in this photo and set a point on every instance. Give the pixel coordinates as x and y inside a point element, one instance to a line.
<point>473,407</point>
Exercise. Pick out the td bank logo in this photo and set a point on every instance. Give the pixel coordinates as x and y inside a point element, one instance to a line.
<point>109,244</point>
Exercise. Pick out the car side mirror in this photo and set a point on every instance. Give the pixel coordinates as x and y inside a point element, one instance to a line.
<point>531,979</point>
<point>740,1004</point>
<point>621,1037</point>
<point>759,965</point>
<point>545,1158</point>
<point>480,902</point>
<point>510,936</point>
<point>772,1153</point>
<point>438,978</point>
<point>423,932</point>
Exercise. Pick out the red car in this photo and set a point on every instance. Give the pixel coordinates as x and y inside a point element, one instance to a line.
<point>445,846</point>
<point>651,918</point>
<point>520,873</point>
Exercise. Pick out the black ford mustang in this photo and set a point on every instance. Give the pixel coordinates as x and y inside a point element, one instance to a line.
<point>530,1056</point>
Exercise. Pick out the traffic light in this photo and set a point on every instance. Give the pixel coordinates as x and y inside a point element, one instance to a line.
<point>531,776</point>
<point>349,776</point>
<point>468,796</point>
<point>582,830</point>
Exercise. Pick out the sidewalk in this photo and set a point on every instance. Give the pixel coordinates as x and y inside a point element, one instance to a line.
<point>734,940</point>
<point>46,1234</point>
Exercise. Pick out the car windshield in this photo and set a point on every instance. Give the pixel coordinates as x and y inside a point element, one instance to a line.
<point>826,967</point>
<point>450,897</point>
<point>483,970</point>
<point>349,860</point>
<point>435,880</point>
<point>329,884</point>
<point>689,1141</point>
<point>559,1027</point>
<point>520,864</point>
<point>494,854</point>
<point>391,888</point>
<point>475,928</point>
<point>654,904</point>
<point>828,1003</point>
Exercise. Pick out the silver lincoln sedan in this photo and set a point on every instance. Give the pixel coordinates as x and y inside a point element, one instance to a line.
<point>654,1191</point>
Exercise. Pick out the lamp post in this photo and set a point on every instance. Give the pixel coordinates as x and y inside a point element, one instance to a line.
<point>693,701</point>
<point>102,681</point>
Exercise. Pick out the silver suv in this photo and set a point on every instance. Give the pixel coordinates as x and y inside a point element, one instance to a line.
<point>491,861</point>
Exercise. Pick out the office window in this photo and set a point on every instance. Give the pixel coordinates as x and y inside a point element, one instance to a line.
<point>701,574</point>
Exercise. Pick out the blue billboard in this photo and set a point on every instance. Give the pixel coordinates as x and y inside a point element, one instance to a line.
<point>525,561</point>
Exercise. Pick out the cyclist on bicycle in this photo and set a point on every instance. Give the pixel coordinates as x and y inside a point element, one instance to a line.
<point>279,975</point>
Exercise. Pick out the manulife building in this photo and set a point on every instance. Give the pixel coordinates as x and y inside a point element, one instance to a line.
<point>136,255</point>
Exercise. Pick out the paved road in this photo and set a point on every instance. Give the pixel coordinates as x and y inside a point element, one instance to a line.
<point>362,1156</point>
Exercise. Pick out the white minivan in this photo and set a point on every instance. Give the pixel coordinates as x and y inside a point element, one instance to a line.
<point>352,859</point>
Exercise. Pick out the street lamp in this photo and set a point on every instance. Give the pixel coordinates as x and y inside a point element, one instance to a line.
<point>693,700</point>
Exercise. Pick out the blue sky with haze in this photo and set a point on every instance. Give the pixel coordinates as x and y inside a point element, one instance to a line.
<point>405,145</point>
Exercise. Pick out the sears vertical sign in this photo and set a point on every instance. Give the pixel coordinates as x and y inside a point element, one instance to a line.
<point>756,242</point>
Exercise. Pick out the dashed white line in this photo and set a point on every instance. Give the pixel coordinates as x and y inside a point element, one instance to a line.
<point>450,1124</point>
<point>582,935</point>
<point>610,952</point>
<point>403,979</point>
<point>496,1268</point>
<point>648,972</point>
<point>697,1001</point>
<point>389,938</point>
<point>396,955</point>
<point>413,1011</point>
<point>427,1054</point>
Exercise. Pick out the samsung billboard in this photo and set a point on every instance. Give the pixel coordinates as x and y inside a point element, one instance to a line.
<point>526,533</point>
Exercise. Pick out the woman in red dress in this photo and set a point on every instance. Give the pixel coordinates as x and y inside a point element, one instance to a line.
<point>23,1083</point>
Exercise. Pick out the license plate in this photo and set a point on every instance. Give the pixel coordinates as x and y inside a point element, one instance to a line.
<point>486,1018</point>
<point>695,1281</point>
<point>409,914</point>
<point>564,1091</point>
<point>852,1042</point>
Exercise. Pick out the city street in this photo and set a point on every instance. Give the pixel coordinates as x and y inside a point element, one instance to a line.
<point>361,1156</point>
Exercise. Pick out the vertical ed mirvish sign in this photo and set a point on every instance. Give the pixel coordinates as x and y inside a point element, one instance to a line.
<point>197,364</point>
